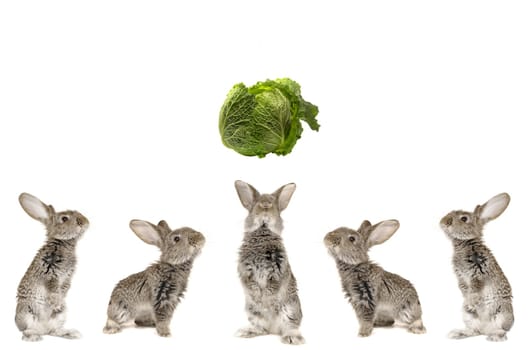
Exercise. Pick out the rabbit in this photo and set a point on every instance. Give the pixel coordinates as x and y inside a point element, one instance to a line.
<point>379,298</point>
<point>41,307</point>
<point>487,306</point>
<point>272,302</point>
<point>150,297</point>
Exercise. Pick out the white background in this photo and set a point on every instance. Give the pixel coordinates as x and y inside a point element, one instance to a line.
<point>111,108</point>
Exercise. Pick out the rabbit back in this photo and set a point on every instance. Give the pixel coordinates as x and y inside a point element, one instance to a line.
<point>54,263</point>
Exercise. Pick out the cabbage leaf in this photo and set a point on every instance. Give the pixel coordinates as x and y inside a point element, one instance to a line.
<point>265,118</point>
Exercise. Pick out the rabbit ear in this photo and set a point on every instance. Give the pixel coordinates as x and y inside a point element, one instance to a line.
<point>364,227</point>
<point>35,208</point>
<point>493,208</point>
<point>382,231</point>
<point>283,195</point>
<point>247,194</point>
<point>163,226</point>
<point>146,231</point>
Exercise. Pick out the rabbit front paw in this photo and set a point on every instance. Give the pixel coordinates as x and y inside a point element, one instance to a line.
<point>163,331</point>
<point>471,309</point>
<point>472,303</point>
<point>365,331</point>
<point>26,336</point>
<point>56,303</point>
<point>293,339</point>
<point>250,332</point>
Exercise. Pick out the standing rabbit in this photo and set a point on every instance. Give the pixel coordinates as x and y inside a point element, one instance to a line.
<point>272,302</point>
<point>379,298</point>
<point>487,306</point>
<point>41,307</point>
<point>150,297</point>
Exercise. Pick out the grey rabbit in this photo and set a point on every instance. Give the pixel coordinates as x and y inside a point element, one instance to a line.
<point>487,307</point>
<point>41,307</point>
<point>272,302</point>
<point>379,298</point>
<point>150,297</point>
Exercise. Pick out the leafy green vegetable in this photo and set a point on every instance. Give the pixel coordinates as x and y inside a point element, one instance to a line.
<point>265,118</point>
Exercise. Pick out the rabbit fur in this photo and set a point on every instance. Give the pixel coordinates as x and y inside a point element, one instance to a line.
<point>487,306</point>
<point>379,298</point>
<point>41,307</point>
<point>272,302</point>
<point>150,297</point>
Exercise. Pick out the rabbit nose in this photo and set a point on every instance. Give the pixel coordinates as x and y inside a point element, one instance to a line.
<point>333,240</point>
<point>197,239</point>
<point>265,205</point>
<point>79,221</point>
<point>449,221</point>
<point>336,240</point>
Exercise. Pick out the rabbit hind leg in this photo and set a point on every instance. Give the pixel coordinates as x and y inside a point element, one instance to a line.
<point>117,318</point>
<point>472,323</point>
<point>410,318</point>
<point>259,325</point>
<point>56,323</point>
<point>28,319</point>
<point>289,320</point>
<point>500,323</point>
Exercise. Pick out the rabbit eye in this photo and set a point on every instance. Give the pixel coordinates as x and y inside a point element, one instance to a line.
<point>352,238</point>
<point>464,218</point>
<point>64,218</point>
<point>176,239</point>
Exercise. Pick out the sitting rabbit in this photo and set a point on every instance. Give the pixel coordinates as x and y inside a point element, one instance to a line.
<point>150,297</point>
<point>379,298</point>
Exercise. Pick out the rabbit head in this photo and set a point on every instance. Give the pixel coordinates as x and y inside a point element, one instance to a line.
<point>464,225</point>
<point>64,225</point>
<point>177,246</point>
<point>264,209</point>
<point>351,246</point>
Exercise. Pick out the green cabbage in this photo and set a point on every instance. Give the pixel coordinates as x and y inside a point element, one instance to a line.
<point>265,118</point>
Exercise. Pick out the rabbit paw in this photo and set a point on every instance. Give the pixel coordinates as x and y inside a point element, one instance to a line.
<point>250,332</point>
<point>365,331</point>
<point>417,330</point>
<point>417,327</point>
<point>56,302</point>
<point>31,337</point>
<point>497,337</point>
<point>472,303</point>
<point>471,309</point>
<point>66,333</point>
<point>461,333</point>
<point>163,331</point>
<point>293,339</point>
<point>111,327</point>
<point>111,330</point>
